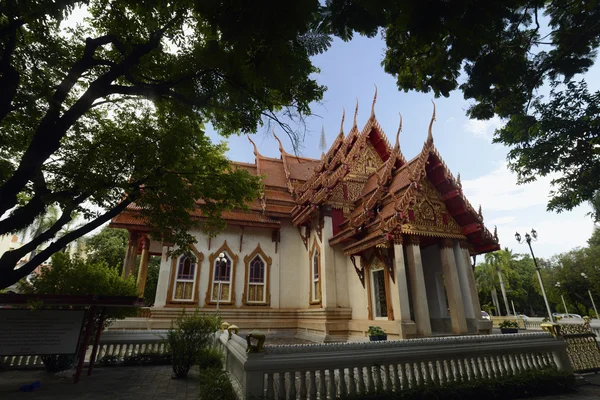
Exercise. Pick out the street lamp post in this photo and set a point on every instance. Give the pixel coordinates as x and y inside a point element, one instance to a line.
<point>583,274</point>
<point>528,239</point>
<point>221,263</point>
<point>563,299</point>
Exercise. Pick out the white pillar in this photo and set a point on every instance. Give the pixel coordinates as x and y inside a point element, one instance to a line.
<point>472,287</point>
<point>464,269</point>
<point>453,290</point>
<point>328,278</point>
<point>403,311</point>
<point>419,292</point>
<point>164,275</point>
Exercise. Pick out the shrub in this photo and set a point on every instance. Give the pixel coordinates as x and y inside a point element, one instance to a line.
<point>187,337</point>
<point>210,357</point>
<point>78,277</point>
<point>215,384</point>
<point>509,324</point>
<point>148,359</point>
<point>375,331</point>
<point>531,383</point>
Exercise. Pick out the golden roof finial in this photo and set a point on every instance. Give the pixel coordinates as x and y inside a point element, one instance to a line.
<point>256,153</point>
<point>480,213</point>
<point>397,146</point>
<point>496,233</point>
<point>374,101</point>
<point>458,181</point>
<point>430,133</point>
<point>355,113</point>
<point>342,124</point>
<point>280,145</point>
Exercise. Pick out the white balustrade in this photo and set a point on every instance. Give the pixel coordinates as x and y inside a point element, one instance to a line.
<point>117,344</point>
<point>329,371</point>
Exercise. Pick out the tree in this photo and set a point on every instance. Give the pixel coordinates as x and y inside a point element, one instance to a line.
<point>500,261</point>
<point>110,113</point>
<point>108,246</point>
<point>486,279</point>
<point>501,55</point>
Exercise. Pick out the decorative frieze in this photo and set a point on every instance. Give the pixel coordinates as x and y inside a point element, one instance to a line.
<point>446,244</point>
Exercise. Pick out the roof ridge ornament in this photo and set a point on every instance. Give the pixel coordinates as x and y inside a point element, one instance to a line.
<point>281,149</point>
<point>256,153</point>
<point>480,213</point>
<point>355,113</point>
<point>397,145</point>
<point>373,105</point>
<point>458,182</point>
<point>430,133</point>
<point>342,123</point>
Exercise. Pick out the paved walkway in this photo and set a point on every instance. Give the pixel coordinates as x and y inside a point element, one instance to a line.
<point>112,383</point>
<point>154,382</point>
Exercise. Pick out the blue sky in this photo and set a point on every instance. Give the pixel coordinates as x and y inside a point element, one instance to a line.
<point>350,70</point>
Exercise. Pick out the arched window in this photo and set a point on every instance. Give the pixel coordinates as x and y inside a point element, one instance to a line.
<point>221,290</point>
<point>256,287</point>
<point>185,279</point>
<point>315,276</point>
<point>256,280</point>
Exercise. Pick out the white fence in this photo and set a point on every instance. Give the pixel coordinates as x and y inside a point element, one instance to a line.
<point>114,344</point>
<point>329,371</point>
<point>535,324</point>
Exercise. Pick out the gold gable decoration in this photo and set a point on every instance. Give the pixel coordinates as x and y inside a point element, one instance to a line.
<point>429,214</point>
<point>367,163</point>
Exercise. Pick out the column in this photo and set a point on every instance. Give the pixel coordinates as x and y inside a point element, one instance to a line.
<point>455,300</point>
<point>131,255</point>
<point>417,280</point>
<point>464,269</point>
<point>471,280</point>
<point>328,276</point>
<point>403,312</point>
<point>143,270</point>
<point>164,276</point>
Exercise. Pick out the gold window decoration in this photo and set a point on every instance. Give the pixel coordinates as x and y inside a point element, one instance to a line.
<point>315,274</point>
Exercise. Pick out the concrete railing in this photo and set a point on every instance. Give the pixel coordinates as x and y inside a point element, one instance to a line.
<point>535,324</point>
<point>335,370</point>
<point>114,344</point>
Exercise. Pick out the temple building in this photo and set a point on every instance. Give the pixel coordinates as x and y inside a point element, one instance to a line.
<point>360,237</point>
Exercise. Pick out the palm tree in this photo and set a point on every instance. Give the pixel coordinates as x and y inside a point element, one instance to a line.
<point>486,279</point>
<point>500,260</point>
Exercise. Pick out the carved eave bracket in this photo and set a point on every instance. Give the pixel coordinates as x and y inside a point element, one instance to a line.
<point>359,271</point>
<point>304,236</point>
<point>384,255</point>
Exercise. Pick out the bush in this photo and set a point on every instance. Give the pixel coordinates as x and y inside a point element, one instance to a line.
<point>210,357</point>
<point>148,359</point>
<point>187,337</point>
<point>509,324</point>
<point>78,277</point>
<point>532,383</point>
<point>58,362</point>
<point>215,384</point>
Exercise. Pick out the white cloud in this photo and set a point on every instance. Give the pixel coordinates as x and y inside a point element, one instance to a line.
<point>520,208</point>
<point>483,129</point>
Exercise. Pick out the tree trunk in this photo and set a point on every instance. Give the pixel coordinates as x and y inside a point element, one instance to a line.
<point>503,289</point>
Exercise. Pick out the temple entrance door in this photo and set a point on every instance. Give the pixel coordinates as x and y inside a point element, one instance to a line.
<point>378,294</point>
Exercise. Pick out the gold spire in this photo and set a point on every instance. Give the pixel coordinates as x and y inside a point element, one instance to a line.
<point>430,133</point>
<point>458,181</point>
<point>373,105</point>
<point>355,113</point>
<point>480,213</point>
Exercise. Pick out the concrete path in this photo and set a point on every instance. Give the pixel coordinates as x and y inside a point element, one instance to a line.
<point>112,383</point>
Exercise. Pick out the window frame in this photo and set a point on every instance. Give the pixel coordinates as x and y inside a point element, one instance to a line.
<point>258,252</point>
<point>315,298</point>
<point>208,301</point>
<point>173,278</point>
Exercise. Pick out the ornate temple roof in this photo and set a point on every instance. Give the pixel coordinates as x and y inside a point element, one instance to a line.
<point>374,193</point>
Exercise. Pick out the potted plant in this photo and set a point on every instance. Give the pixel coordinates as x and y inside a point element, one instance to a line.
<point>376,334</point>
<point>508,326</point>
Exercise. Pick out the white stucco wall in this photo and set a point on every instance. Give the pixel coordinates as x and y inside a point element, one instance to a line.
<point>357,293</point>
<point>294,268</point>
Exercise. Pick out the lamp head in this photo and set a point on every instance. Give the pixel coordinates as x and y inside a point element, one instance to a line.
<point>534,234</point>
<point>528,237</point>
<point>518,237</point>
<point>221,255</point>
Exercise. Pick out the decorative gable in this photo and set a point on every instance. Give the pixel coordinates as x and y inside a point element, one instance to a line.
<point>429,215</point>
<point>367,163</point>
